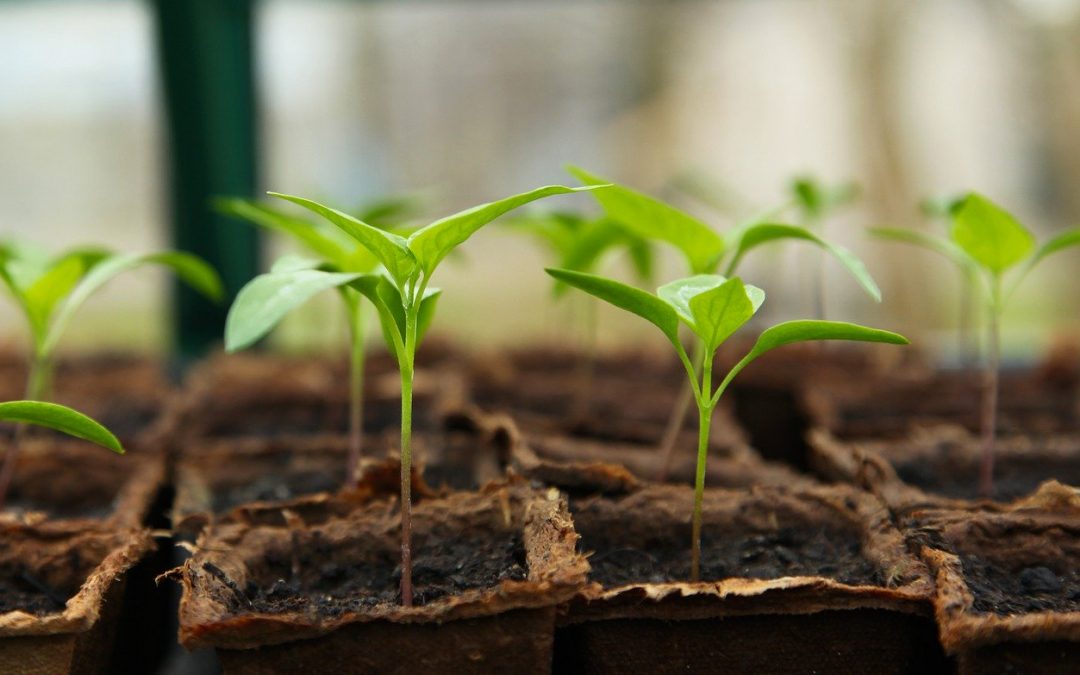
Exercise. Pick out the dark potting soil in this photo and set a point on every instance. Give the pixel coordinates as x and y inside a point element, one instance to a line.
<point>785,552</point>
<point>22,589</point>
<point>1014,477</point>
<point>326,586</point>
<point>1004,590</point>
<point>277,487</point>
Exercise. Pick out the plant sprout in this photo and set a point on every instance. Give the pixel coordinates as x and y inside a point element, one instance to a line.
<point>706,252</point>
<point>52,416</point>
<point>987,242</point>
<point>815,201</point>
<point>713,307</point>
<point>406,304</point>
<point>292,281</point>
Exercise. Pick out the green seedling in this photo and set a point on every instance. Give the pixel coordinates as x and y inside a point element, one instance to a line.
<point>49,290</point>
<point>576,242</point>
<point>713,307</point>
<point>987,242</point>
<point>292,281</point>
<point>708,252</point>
<point>51,416</point>
<point>815,202</point>
<point>405,303</point>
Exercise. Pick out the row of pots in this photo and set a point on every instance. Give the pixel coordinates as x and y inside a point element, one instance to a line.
<point>872,576</point>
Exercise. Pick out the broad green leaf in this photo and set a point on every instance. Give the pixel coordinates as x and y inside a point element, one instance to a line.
<point>653,219</point>
<point>265,300</point>
<point>930,242</point>
<point>192,270</point>
<point>62,275</point>
<point>432,243</point>
<point>329,248</point>
<point>636,301</point>
<point>721,311</point>
<point>989,234</point>
<point>679,292</point>
<point>791,332</point>
<point>390,249</point>
<point>755,235</point>
<point>61,419</point>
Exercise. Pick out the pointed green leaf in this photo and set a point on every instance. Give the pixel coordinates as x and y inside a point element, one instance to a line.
<point>989,234</point>
<point>791,332</point>
<point>427,313</point>
<point>634,300</point>
<point>679,292</point>
<point>192,270</point>
<point>752,236</point>
<point>939,245</point>
<point>382,293</point>
<point>61,419</point>
<point>390,249</point>
<point>265,300</point>
<point>329,247</point>
<point>1062,241</point>
<point>653,219</point>
<point>721,311</point>
<point>432,243</point>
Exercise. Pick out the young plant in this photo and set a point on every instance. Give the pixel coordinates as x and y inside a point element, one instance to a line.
<point>987,242</point>
<point>406,304</point>
<point>49,290</point>
<point>815,201</point>
<point>52,416</point>
<point>292,281</point>
<point>707,252</point>
<point>713,307</point>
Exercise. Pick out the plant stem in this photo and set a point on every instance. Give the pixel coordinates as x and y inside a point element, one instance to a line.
<point>990,392</point>
<point>36,383</point>
<point>678,416</point>
<point>356,390</point>
<point>406,365</point>
<point>705,408</point>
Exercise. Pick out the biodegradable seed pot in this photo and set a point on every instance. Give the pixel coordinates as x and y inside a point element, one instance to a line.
<point>1008,586</point>
<point>490,567</point>
<point>812,579</point>
<point>60,596</point>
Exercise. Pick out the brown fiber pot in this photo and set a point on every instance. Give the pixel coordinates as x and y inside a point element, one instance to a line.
<point>774,606</point>
<point>940,465</point>
<point>503,625</point>
<point>1008,586</point>
<point>84,570</point>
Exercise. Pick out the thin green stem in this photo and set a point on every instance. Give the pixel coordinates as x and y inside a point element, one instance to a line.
<point>678,415</point>
<point>356,387</point>
<point>704,421</point>
<point>405,362</point>
<point>990,391</point>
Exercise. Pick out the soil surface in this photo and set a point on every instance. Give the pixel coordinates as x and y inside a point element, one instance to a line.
<point>786,551</point>
<point>277,487</point>
<point>328,586</point>
<point>1005,590</point>
<point>1014,477</point>
<point>21,590</point>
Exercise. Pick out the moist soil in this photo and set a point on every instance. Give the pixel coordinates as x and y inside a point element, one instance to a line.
<point>315,582</point>
<point>23,589</point>
<point>1014,477</point>
<point>787,551</point>
<point>277,487</point>
<point>1004,590</point>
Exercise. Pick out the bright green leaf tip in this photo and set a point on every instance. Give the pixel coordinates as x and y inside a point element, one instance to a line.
<point>61,418</point>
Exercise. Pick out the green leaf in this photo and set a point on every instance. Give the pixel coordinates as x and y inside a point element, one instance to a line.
<point>634,300</point>
<point>307,234</point>
<point>679,292</point>
<point>816,200</point>
<point>292,263</point>
<point>61,419</point>
<point>1062,241</point>
<point>989,234</point>
<point>390,249</point>
<point>930,242</point>
<point>432,243</point>
<point>721,311</point>
<point>791,332</point>
<point>265,300</point>
<point>192,270</point>
<point>752,236</point>
<point>653,219</point>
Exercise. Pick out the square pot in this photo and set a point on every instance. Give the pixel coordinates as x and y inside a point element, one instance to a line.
<point>490,567</point>
<point>1008,586</point>
<point>813,579</point>
<point>940,465</point>
<point>64,592</point>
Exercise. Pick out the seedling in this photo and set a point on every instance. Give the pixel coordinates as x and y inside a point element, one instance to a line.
<point>52,416</point>
<point>986,242</point>
<point>708,252</point>
<point>292,281</point>
<point>713,307</point>
<point>49,290</point>
<point>816,202</point>
<point>579,243</point>
<point>406,304</point>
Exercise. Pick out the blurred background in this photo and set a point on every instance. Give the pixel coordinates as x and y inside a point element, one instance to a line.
<point>716,106</point>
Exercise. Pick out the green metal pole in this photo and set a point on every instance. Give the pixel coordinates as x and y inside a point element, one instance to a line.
<point>205,51</point>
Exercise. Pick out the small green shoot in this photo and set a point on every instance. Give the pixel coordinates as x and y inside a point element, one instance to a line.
<point>713,307</point>
<point>987,242</point>
<point>51,416</point>
<point>406,304</point>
